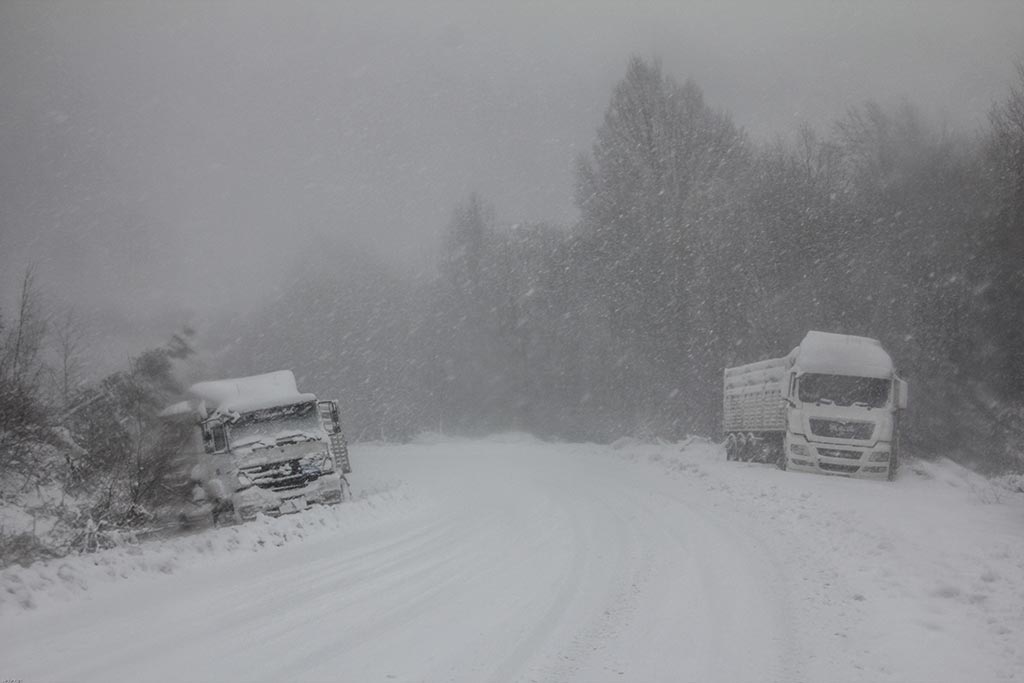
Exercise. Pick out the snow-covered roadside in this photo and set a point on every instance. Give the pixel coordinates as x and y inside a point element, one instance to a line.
<point>504,559</point>
<point>377,498</point>
<point>513,559</point>
<point>919,579</point>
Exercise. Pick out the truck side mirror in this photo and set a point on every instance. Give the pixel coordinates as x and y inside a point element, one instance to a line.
<point>329,417</point>
<point>901,394</point>
<point>215,437</point>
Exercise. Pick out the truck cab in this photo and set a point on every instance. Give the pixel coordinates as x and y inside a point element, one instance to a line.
<point>843,402</point>
<point>262,446</point>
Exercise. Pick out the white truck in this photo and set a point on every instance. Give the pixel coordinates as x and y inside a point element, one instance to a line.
<point>832,405</point>
<point>262,446</point>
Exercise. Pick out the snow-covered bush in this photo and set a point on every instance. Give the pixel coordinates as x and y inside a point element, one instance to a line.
<point>81,465</point>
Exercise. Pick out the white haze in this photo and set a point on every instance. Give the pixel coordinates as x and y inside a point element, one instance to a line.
<point>161,161</point>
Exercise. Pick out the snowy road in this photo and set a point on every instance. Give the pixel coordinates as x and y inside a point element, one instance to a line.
<point>512,560</point>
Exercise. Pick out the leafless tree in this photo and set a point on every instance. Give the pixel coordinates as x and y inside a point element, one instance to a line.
<point>69,335</point>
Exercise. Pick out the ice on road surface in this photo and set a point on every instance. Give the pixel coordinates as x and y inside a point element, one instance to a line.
<point>508,559</point>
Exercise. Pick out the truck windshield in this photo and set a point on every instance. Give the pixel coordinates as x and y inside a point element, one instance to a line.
<point>276,426</point>
<point>843,390</point>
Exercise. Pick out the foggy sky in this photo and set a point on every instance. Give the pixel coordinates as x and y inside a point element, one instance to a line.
<point>160,161</point>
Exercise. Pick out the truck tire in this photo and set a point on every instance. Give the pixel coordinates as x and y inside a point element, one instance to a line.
<point>783,462</point>
<point>334,497</point>
<point>223,514</point>
<point>750,452</point>
<point>777,451</point>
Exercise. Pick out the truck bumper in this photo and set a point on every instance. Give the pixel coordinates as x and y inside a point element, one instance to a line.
<point>326,489</point>
<point>838,460</point>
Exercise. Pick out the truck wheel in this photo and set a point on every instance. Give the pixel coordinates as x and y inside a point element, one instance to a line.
<point>730,447</point>
<point>750,451</point>
<point>223,514</point>
<point>783,462</point>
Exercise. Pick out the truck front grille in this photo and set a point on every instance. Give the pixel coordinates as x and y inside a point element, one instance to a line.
<point>838,453</point>
<point>841,469</point>
<point>841,429</point>
<point>280,476</point>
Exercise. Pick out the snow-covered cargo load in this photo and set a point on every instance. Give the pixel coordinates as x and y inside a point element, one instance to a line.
<point>261,445</point>
<point>831,405</point>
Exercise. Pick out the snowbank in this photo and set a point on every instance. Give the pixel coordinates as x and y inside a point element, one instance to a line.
<point>58,580</point>
<point>557,561</point>
<point>901,573</point>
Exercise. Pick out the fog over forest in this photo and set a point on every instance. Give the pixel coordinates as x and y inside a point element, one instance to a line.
<point>145,144</point>
<point>561,219</point>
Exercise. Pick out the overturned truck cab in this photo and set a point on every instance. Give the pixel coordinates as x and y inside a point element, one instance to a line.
<point>261,446</point>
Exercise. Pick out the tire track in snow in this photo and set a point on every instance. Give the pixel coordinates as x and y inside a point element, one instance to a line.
<point>533,562</point>
<point>692,589</point>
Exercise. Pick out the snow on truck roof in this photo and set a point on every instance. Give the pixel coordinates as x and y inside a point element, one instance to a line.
<point>243,394</point>
<point>842,354</point>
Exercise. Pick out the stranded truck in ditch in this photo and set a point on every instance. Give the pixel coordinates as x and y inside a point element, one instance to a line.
<point>262,446</point>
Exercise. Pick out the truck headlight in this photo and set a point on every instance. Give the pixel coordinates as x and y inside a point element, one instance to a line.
<point>322,463</point>
<point>799,449</point>
<point>879,456</point>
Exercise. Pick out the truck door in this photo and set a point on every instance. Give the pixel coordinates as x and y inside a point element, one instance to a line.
<point>215,471</point>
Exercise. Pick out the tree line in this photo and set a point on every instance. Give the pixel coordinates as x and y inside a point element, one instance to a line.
<point>83,461</point>
<point>696,248</point>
